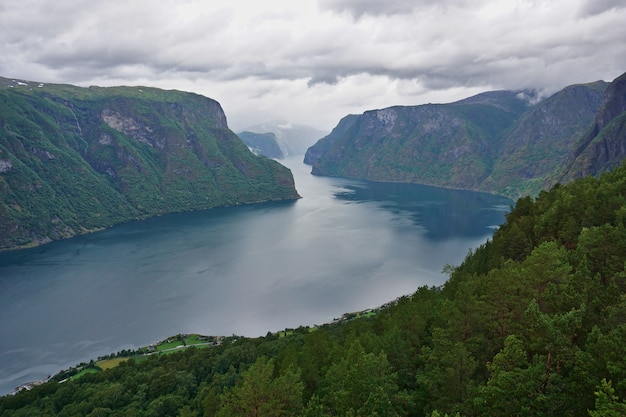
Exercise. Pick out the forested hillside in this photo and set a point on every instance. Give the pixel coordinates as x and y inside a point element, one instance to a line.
<point>532,323</point>
<point>511,143</point>
<point>74,160</point>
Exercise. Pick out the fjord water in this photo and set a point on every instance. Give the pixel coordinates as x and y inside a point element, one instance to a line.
<point>345,246</point>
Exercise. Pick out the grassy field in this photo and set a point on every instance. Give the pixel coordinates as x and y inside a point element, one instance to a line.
<point>110,363</point>
<point>85,372</point>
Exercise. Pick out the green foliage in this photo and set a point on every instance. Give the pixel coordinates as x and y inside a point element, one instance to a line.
<point>607,403</point>
<point>260,394</point>
<point>532,323</point>
<point>75,160</point>
<point>496,142</point>
<point>264,144</point>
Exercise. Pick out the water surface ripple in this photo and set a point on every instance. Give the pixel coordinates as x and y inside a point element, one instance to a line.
<point>345,246</point>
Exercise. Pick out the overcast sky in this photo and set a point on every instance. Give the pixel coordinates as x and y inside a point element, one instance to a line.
<point>313,62</point>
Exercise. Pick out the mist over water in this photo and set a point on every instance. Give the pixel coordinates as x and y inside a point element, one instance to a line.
<point>345,246</point>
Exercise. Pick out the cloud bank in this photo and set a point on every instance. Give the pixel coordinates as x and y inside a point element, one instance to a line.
<point>313,62</point>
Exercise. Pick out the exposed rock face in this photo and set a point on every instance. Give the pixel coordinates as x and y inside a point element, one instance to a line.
<point>291,138</point>
<point>603,147</point>
<point>323,145</point>
<point>5,165</point>
<point>539,142</point>
<point>450,145</point>
<point>504,142</point>
<point>262,144</point>
<point>79,159</point>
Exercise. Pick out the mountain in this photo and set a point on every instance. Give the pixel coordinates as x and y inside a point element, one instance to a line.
<point>541,139</point>
<point>264,144</point>
<point>603,147</point>
<point>504,142</point>
<point>323,145</point>
<point>293,139</point>
<point>532,323</point>
<point>74,160</point>
<point>451,145</point>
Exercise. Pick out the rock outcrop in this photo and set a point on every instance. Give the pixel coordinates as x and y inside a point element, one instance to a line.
<point>504,142</point>
<point>74,159</point>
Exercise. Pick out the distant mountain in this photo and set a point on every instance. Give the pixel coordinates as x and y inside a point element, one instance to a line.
<point>293,139</point>
<point>74,160</point>
<point>506,142</point>
<point>323,145</point>
<point>451,145</point>
<point>264,144</point>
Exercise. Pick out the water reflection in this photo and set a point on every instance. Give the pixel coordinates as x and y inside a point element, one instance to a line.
<point>345,246</point>
<point>441,212</point>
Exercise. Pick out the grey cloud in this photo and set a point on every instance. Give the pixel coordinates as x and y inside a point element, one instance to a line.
<point>366,48</point>
<point>596,7</point>
<point>372,7</point>
<point>329,79</point>
<point>359,8</point>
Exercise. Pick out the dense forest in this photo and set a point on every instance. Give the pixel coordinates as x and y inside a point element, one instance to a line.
<point>532,323</point>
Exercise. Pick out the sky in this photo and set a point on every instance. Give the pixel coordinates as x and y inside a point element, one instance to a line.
<point>313,62</point>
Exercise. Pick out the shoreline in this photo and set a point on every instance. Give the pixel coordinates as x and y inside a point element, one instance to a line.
<point>176,343</point>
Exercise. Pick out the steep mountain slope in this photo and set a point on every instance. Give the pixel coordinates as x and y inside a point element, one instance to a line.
<point>532,323</point>
<point>450,145</point>
<point>542,138</point>
<point>323,145</point>
<point>77,159</point>
<point>292,138</point>
<point>603,147</point>
<point>264,144</point>
<point>503,142</point>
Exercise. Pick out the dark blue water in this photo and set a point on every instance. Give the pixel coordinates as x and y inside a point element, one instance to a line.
<point>345,246</point>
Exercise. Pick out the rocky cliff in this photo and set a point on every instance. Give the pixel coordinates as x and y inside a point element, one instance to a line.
<point>292,138</point>
<point>539,142</point>
<point>603,147</point>
<point>264,144</point>
<point>504,142</point>
<point>451,145</point>
<point>74,159</point>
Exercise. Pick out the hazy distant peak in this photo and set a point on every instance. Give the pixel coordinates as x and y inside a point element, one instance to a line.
<point>292,138</point>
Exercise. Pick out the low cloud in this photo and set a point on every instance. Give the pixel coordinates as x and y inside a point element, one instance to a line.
<point>314,62</point>
<point>596,7</point>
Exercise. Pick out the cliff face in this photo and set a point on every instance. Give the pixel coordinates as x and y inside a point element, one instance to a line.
<point>77,159</point>
<point>322,146</point>
<point>450,145</point>
<point>603,147</point>
<point>262,144</point>
<point>292,138</point>
<point>541,139</point>
<point>502,142</point>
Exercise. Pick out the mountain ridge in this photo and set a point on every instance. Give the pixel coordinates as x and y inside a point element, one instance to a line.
<point>512,143</point>
<point>291,138</point>
<point>75,159</point>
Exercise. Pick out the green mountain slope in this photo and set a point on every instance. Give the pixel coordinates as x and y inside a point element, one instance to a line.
<point>542,138</point>
<point>77,159</point>
<point>501,142</point>
<point>603,147</point>
<point>262,144</point>
<point>292,138</point>
<point>450,145</point>
<point>532,323</point>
